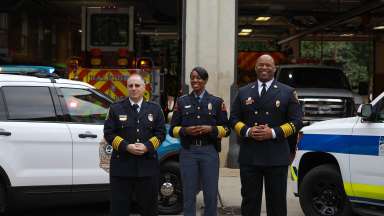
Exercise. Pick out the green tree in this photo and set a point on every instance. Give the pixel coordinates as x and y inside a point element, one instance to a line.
<point>353,56</point>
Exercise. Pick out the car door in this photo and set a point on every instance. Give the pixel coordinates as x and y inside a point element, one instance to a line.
<point>36,148</point>
<point>367,157</point>
<point>87,111</point>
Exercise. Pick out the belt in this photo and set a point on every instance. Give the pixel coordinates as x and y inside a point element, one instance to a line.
<point>199,142</point>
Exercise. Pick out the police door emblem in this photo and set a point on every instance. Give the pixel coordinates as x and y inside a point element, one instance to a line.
<point>105,152</point>
<point>108,149</point>
<point>150,117</point>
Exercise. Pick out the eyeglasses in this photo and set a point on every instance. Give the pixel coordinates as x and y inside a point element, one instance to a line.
<point>136,85</point>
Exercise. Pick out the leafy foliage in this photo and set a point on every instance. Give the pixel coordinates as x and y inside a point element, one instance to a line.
<point>353,56</point>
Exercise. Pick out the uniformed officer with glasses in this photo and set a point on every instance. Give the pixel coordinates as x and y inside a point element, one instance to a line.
<point>135,128</point>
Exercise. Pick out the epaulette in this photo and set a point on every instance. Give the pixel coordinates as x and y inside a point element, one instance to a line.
<point>283,86</point>
<point>153,103</point>
<point>120,101</point>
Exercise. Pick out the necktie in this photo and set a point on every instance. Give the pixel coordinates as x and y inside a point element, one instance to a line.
<point>263,90</point>
<point>135,107</point>
<point>198,99</point>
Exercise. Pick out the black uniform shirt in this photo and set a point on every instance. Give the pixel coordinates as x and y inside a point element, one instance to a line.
<point>190,112</point>
<point>125,126</point>
<point>280,109</point>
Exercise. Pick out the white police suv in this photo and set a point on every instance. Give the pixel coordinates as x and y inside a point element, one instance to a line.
<point>50,130</point>
<point>339,166</point>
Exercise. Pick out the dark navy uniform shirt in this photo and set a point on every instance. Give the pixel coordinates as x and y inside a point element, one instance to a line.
<point>190,112</point>
<point>125,126</point>
<point>280,109</point>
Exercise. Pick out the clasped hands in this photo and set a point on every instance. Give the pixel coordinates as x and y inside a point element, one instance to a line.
<point>260,132</point>
<point>198,130</point>
<point>137,148</point>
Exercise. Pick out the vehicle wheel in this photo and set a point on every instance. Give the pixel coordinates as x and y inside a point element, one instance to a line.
<point>322,193</point>
<point>2,199</point>
<point>170,190</point>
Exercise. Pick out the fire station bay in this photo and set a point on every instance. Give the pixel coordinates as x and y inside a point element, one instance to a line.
<point>78,56</point>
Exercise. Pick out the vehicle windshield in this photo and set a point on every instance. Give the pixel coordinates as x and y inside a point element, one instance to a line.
<point>109,30</point>
<point>313,78</point>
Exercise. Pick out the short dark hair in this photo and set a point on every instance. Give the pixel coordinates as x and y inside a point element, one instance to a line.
<point>203,74</point>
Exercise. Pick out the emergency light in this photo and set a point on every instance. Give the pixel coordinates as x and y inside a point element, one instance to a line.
<point>26,69</point>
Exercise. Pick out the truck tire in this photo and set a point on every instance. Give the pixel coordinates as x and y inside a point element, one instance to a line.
<point>322,193</point>
<point>170,189</point>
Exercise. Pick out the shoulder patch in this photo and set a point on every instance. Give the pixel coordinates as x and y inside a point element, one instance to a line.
<point>152,103</point>
<point>120,100</point>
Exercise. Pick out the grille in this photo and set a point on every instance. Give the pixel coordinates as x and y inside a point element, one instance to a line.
<point>318,109</point>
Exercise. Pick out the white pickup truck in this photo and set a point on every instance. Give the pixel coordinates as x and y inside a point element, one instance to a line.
<point>324,91</point>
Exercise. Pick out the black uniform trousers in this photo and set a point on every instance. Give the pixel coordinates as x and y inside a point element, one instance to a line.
<point>145,190</point>
<point>252,178</point>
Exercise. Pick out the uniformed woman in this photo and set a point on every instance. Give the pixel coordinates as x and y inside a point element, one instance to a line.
<point>200,120</point>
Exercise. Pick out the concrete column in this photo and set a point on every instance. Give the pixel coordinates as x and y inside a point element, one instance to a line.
<point>378,76</point>
<point>210,42</point>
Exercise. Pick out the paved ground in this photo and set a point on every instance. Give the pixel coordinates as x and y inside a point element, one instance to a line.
<point>229,187</point>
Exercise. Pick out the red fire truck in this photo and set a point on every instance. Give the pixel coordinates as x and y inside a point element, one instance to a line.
<point>107,53</point>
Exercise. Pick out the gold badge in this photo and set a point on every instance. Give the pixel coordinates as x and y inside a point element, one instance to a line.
<point>150,117</point>
<point>210,106</point>
<point>277,103</point>
<point>249,101</point>
<point>123,117</point>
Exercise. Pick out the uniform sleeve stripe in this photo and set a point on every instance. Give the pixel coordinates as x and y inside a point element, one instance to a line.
<point>238,126</point>
<point>287,129</point>
<point>221,131</point>
<point>293,127</point>
<point>176,131</point>
<point>155,142</point>
<point>116,142</point>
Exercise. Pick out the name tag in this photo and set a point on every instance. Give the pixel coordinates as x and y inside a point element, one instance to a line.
<point>123,117</point>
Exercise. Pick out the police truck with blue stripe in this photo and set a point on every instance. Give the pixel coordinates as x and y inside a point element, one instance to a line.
<point>339,165</point>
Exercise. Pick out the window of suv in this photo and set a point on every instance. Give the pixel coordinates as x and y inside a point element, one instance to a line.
<point>314,78</point>
<point>2,107</point>
<point>32,103</point>
<point>85,106</point>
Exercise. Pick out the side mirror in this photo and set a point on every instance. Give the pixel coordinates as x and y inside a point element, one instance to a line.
<point>365,111</point>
